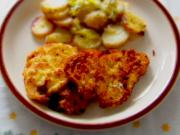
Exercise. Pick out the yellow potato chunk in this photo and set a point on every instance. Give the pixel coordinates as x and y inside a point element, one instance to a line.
<point>133,23</point>
<point>87,39</point>
<point>96,19</point>
<point>52,6</point>
<point>59,36</point>
<point>59,15</point>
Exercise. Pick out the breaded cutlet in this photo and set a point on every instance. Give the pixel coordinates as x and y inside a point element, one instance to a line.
<point>117,74</point>
<point>44,70</point>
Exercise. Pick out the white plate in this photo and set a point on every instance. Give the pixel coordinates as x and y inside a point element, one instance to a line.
<point>161,36</point>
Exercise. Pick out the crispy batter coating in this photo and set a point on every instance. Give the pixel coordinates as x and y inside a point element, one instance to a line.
<point>44,71</point>
<point>67,81</point>
<point>117,74</point>
<point>81,69</point>
<point>72,103</point>
<point>68,100</point>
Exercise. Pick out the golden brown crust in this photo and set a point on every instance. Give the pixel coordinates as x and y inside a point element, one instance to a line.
<point>81,69</point>
<point>72,103</point>
<point>117,74</point>
<point>44,71</point>
<point>68,81</point>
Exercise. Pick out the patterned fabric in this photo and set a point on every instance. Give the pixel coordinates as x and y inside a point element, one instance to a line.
<point>15,119</point>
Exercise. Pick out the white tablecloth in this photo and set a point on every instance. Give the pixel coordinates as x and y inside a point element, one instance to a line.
<point>15,119</point>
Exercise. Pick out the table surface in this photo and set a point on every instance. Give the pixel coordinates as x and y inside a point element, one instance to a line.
<point>15,119</point>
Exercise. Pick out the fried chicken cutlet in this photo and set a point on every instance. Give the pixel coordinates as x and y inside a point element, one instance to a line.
<point>108,76</point>
<point>68,81</point>
<point>117,74</point>
<point>44,70</point>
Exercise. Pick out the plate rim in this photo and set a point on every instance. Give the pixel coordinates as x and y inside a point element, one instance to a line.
<point>91,126</point>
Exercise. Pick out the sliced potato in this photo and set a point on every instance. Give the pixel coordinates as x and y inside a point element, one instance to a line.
<point>76,26</point>
<point>96,19</point>
<point>80,8</point>
<point>120,9</point>
<point>87,39</point>
<point>114,8</point>
<point>52,6</point>
<point>114,36</point>
<point>59,36</point>
<point>67,23</point>
<point>84,10</point>
<point>133,23</point>
<point>59,15</point>
<point>41,27</point>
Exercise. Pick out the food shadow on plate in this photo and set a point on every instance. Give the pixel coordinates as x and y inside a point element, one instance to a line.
<point>143,86</point>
